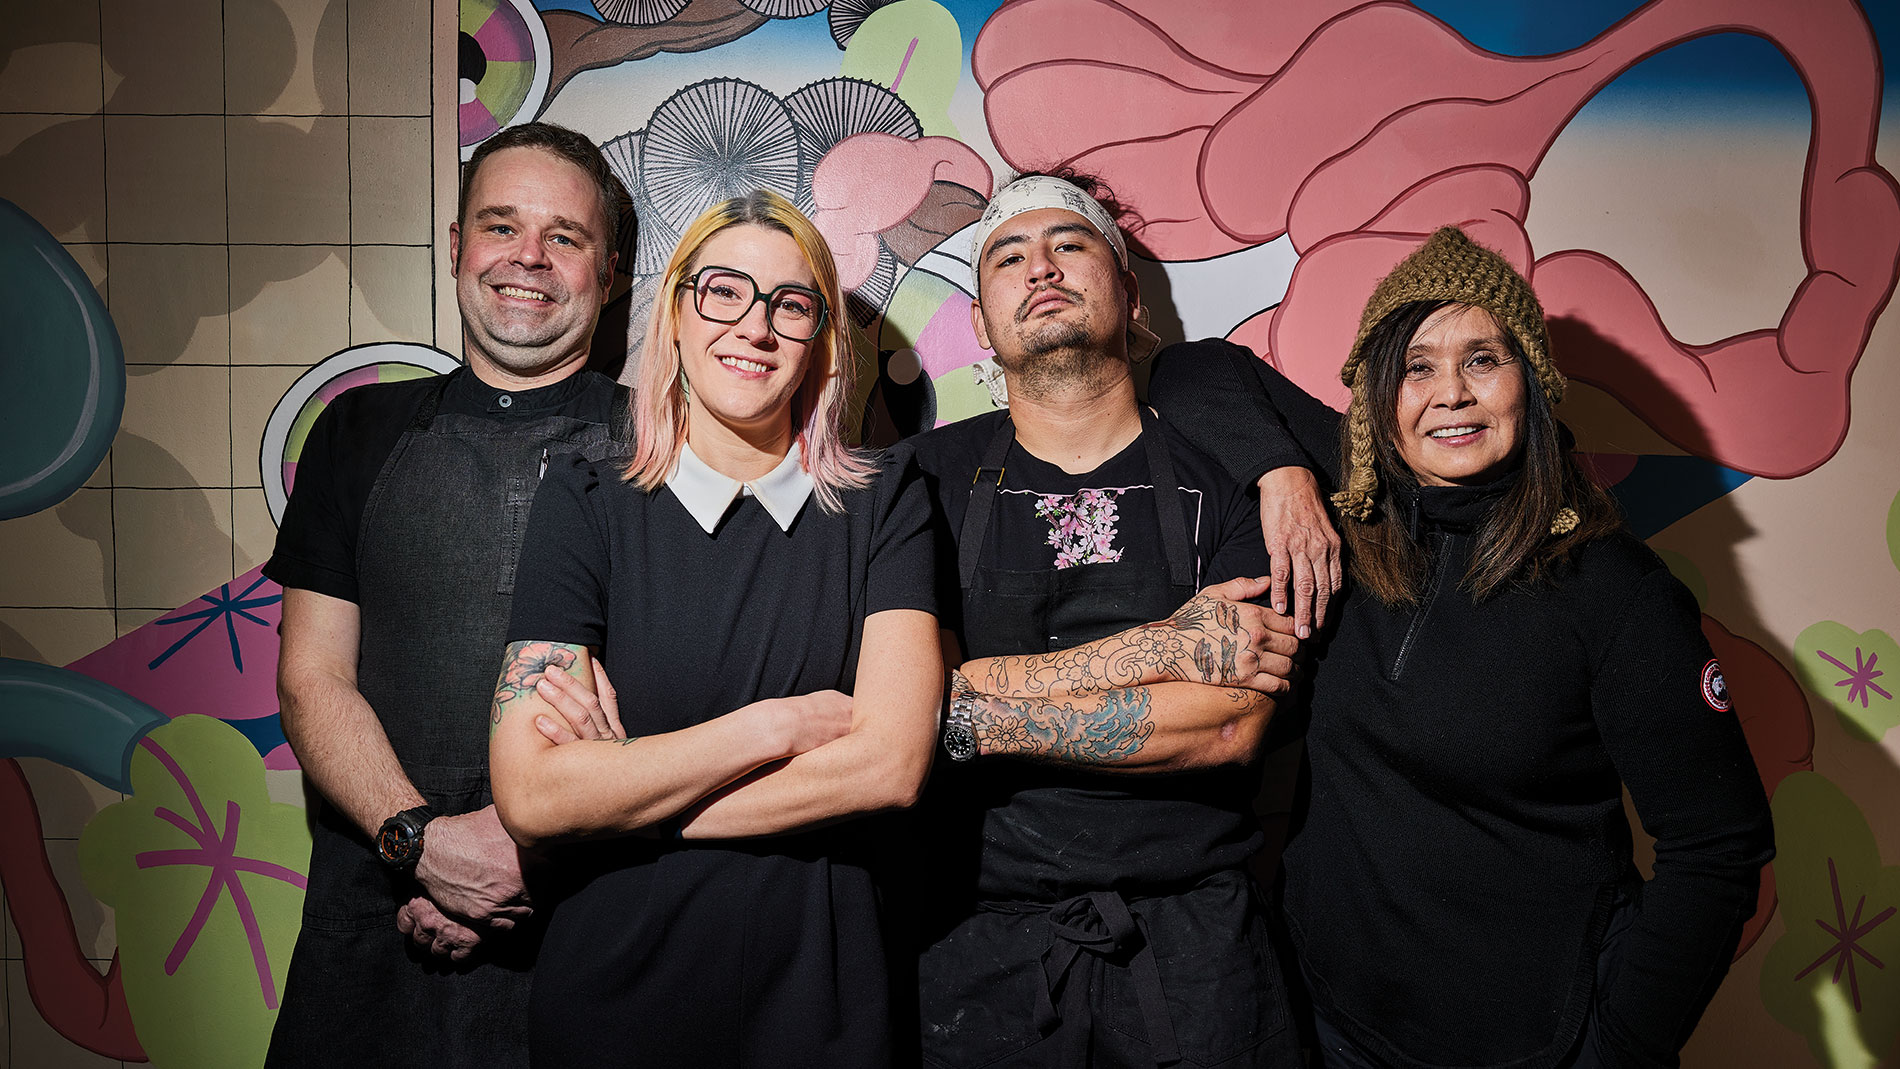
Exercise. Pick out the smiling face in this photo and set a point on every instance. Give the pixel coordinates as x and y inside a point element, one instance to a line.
<point>530,267</point>
<point>1052,301</point>
<point>1461,399</point>
<point>743,376</point>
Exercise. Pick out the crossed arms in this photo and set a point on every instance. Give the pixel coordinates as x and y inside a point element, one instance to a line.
<point>1192,691</point>
<point>774,766</point>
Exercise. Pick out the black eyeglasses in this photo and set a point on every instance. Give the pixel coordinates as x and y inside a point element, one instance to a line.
<point>724,295</point>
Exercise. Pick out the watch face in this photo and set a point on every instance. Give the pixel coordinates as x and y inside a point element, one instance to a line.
<point>393,843</point>
<point>959,743</point>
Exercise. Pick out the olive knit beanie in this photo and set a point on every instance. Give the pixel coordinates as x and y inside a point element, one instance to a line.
<point>1448,267</point>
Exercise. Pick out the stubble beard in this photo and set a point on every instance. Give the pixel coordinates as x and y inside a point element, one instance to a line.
<point>1056,357</point>
<point>522,346</point>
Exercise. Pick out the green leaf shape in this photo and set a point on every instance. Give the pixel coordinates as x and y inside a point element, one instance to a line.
<point>1828,872</point>
<point>915,48</point>
<point>1858,673</point>
<point>202,989</point>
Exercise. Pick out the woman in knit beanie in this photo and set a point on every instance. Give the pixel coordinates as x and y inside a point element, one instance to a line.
<point>1550,510</point>
<point>1507,661</point>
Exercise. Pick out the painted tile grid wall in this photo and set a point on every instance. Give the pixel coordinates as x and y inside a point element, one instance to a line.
<point>251,185</point>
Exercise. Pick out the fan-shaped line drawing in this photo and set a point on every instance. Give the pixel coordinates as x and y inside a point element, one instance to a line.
<point>648,241</point>
<point>716,139</point>
<point>785,9</point>
<point>639,12</point>
<point>867,301</point>
<point>654,238</point>
<point>846,16</point>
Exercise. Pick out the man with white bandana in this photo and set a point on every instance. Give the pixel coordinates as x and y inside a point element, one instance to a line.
<point>1085,897</point>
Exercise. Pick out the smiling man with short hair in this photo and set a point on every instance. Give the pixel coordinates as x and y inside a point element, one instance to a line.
<point>397,557</point>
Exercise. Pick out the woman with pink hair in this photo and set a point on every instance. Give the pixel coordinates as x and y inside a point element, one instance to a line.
<point>758,595</point>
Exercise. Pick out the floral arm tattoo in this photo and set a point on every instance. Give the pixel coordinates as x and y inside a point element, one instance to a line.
<point>1200,643</point>
<point>523,665</point>
<point>1107,731</point>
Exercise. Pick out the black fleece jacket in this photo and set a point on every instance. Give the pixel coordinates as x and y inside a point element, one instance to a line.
<point>1464,840</point>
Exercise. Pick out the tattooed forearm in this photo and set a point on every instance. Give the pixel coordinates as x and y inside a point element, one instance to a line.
<point>522,667</point>
<point>1107,731</point>
<point>1201,643</point>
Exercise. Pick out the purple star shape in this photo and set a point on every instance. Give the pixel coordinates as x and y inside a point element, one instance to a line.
<point>1847,936</point>
<point>1860,678</point>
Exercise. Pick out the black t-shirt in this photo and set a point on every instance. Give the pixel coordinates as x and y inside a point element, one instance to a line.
<point>351,441</point>
<point>760,948</point>
<point>1046,518</point>
<point>992,821</point>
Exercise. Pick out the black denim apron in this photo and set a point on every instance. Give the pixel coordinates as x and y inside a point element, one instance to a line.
<point>1066,962</point>
<point>436,554</point>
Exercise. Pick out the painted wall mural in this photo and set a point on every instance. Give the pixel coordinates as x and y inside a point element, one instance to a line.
<point>1702,192</point>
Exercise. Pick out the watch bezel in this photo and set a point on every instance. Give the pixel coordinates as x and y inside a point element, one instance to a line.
<point>959,742</point>
<point>399,841</point>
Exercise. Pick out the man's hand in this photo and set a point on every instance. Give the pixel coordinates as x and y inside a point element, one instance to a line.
<point>471,869</point>
<point>433,931</point>
<point>1302,544</point>
<point>1226,641</point>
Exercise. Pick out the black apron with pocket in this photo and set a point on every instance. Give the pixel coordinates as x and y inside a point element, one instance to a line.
<point>1100,934</point>
<point>436,554</point>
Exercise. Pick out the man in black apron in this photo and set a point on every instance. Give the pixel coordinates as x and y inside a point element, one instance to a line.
<point>1085,900</point>
<point>397,556</point>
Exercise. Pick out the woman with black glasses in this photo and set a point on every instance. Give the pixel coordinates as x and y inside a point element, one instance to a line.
<point>713,904</point>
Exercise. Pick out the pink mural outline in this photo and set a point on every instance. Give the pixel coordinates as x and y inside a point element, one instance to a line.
<point>1225,132</point>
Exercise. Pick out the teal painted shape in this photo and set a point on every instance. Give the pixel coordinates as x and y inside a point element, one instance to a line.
<point>64,385</point>
<point>1661,490</point>
<point>73,720</point>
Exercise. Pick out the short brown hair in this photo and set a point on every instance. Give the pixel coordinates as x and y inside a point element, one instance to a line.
<point>570,145</point>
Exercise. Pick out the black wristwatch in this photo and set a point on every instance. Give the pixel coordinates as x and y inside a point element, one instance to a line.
<point>959,741</point>
<point>399,843</point>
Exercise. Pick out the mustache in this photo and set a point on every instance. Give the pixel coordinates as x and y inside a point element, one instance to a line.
<point>1022,310</point>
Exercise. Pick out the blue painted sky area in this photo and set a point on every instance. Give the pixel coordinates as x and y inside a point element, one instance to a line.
<point>1728,65</point>
<point>815,30</point>
<point>1731,67</point>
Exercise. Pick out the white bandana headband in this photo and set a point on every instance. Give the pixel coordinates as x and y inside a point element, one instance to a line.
<point>1035,193</point>
<point>1041,191</point>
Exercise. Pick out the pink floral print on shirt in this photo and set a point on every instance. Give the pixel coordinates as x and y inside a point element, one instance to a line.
<point>1082,526</point>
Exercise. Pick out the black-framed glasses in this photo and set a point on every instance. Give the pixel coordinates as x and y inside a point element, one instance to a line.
<point>726,295</point>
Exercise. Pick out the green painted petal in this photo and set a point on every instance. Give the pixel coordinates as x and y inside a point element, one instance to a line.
<point>1828,872</point>
<point>915,48</point>
<point>960,395</point>
<point>1858,673</point>
<point>209,1006</point>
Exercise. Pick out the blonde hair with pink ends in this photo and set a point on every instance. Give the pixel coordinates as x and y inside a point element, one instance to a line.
<point>659,406</point>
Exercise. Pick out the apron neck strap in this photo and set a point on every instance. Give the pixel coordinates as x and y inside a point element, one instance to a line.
<point>425,413</point>
<point>1174,536</point>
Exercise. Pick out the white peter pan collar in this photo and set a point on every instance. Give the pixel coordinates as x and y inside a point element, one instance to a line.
<point>707,494</point>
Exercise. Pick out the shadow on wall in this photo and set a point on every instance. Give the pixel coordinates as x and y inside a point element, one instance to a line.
<point>135,73</point>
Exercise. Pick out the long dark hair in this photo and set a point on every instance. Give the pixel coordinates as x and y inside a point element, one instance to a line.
<point>1515,545</point>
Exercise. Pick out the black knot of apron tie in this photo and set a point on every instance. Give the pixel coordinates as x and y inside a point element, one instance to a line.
<point>1099,923</point>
